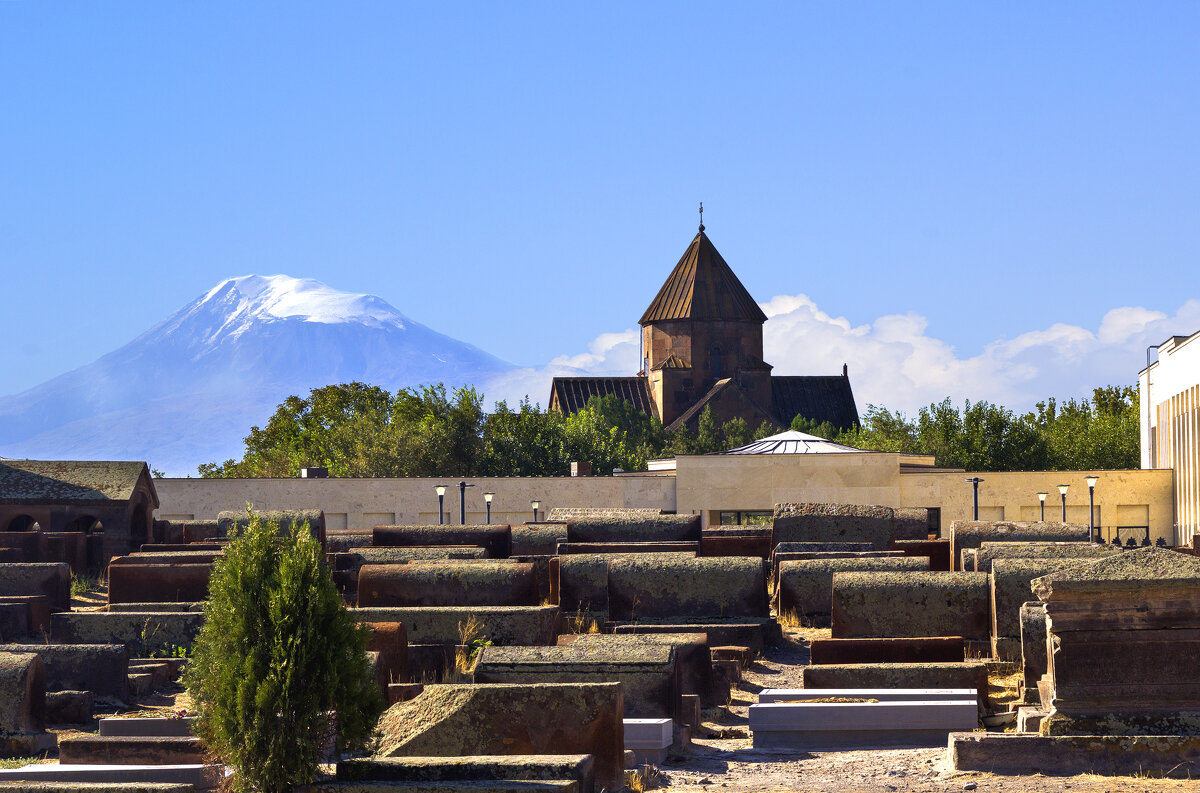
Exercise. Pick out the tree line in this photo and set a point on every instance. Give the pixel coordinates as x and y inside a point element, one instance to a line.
<point>360,430</point>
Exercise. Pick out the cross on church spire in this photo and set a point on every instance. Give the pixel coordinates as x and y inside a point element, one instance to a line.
<point>702,216</point>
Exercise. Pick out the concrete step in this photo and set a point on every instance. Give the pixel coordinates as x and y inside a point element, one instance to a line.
<point>118,749</point>
<point>201,777</point>
<point>577,768</point>
<point>837,725</point>
<point>150,727</point>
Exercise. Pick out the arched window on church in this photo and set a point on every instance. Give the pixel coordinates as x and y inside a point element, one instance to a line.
<point>716,362</point>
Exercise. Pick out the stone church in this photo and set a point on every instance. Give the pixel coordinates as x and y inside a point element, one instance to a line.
<point>702,345</point>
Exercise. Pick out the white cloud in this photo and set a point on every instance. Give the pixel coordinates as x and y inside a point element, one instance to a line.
<point>895,363</point>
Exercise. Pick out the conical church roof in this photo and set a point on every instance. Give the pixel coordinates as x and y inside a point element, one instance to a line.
<point>703,287</point>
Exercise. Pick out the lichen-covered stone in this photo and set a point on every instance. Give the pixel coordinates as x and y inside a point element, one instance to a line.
<point>493,537</point>
<point>821,547</point>
<point>1139,756</point>
<point>1138,571</point>
<point>49,579</point>
<point>448,583</point>
<point>1011,579</point>
<point>834,523</point>
<point>102,669</point>
<point>911,523</point>
<point>991,551</point>
<point>882,604</point>
<point>967,674</point>
<point>647,673</point>
<point>692,655</point>
<point>805,586</point>
<point>549,718</point>
<point>966,534</point>
<point>1033,646</point>
<point>633,528</point>
<point>688,588</point>
<point>22,693</point>
<point>537,539</point>
<point>503,625</point>
<point>577,767</point>
<point>158,583</point>
<point>141,632</point>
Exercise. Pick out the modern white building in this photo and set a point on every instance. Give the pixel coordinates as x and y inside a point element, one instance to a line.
<point>1169,389</point>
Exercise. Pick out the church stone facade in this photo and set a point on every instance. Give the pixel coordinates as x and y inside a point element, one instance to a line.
<point>702,342</point>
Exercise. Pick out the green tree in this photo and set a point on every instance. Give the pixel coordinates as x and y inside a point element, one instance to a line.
<point>735,433</point>
<point>278,653</point>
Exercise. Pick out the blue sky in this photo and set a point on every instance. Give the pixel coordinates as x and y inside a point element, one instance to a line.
<point>523,176</point>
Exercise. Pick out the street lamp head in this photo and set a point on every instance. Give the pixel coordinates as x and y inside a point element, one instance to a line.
<point>1091,480</point>
<point>1042,496</point>
<point>535,503</point>
<point>488,497</point>
<point>441,489</point>
<point>1062,489</point>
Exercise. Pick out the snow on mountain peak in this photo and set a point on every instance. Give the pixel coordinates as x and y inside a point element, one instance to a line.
<point>284,297</point>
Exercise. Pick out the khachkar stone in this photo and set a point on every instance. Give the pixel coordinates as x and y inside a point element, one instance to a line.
<point>1124,639</point>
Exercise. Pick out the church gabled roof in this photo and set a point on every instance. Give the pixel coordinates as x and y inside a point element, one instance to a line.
<point>702,286</point>
<point>571,394</point>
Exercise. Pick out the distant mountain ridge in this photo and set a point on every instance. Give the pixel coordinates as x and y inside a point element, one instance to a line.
<point>188,389</point>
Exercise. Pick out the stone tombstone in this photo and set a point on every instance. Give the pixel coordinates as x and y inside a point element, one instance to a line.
<point>834,523</point>
<point>966,534</point>
<point>936,551</point>
<point>687,589</point>
<point>1011,580</point>
<point>989,552</point>
<point>692,653</point>
<point>634,528</point>
<point>50,579</point>
<point>1033,650</point>
<point>911,604</point>
<point>912,523</point>
<point>457,720</point>
<point>1123,643</point>
<point>496,538</point>
<point>805,586</point>
<point>158,583</point>
<point>22,693</point>
<point>537,539</point>
<point>470,582</point>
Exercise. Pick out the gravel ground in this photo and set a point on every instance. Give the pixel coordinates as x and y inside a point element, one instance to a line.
<point>731,764</point>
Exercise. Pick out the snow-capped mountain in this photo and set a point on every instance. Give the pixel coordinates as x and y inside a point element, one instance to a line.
<point>189,389</point>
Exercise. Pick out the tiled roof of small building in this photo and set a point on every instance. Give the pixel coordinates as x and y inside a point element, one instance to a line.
<point>571,394</point>
<point>68,480</point>
<point>672,361</point>
<point>702,286</point>
<point>818,398</point>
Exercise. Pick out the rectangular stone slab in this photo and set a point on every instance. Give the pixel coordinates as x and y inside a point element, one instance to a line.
<point>1011,579</point>
<point>495,538</point>
<point>692,654</point>
<point>147,726</point>
<point>134,749</point>
<point>649,674</point>
<point>686,588</point>
<point>1115,755</point>
<point>972,534</point>
<point>634,528</point>
<point>931,649</point>
<point>769,695</point>
<point>1033,647</point>
<point>990,551</point>
<point>102,669</point>
<point>810,522</point>
<point>573,548</point>
<point>936,551</point>
<point>753,635</point>
<point>842,724</point>
<point>969,674</point>
<point>805,586</point>
<point>51,579</point>
<point>158,583</point>
<point>898,605</point>
<point>203,777</point>
<point>448,583</point>
<point>141,632</point>
<point>578,767</point>
<point>502,625</point>
<point>550,718</point>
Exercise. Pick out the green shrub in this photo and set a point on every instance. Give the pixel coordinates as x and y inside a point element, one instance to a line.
<point>277,655</point>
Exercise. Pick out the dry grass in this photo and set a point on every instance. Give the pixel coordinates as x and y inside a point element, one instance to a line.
<point>580,622</point>
<point>639,780</point>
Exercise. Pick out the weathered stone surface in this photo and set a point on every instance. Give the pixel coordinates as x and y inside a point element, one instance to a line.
<point>37,613</point>
<point>122,750</point>
<point>502,625</point>
<point>390,640</point>
<point>924,650</point>
<point>984,555</point>
<point>1033,648</point>
<point>822,547</point>
<point>496,538</point>
<point>100,668</point>
<point>537,539</point>
<point>583,583</point>
<point>966,534</point>
<point>22,693</point>
<point>50,579</point>
<point>1116,755</point>
<point>178,532</point>
<point>967,674</point>
<point>169,557</point>
<point>1011,579</point>
<point>311,519</point>
<point>69,547</point>
<point>342,541</point>
<point>882,605</point>
<point>31,544</point>
<point>1105,620</point>
<point>674,588</point>
<point>682,547</point>
<point>155,607</point>
<point>633,528</point>
<point>141,632</point>
<point>834,523</point>
<point>158,583</point>
<point>578,767</point>
<point>692,655</point>
<point>450,583</point>
<point>69,707</point>
<point>911,523</point>
<point>648,674</point>
<point>805,586</point>
<point>95,787</point>
<point>937,551</point>
<point>14,621</point>
<point>737,541</point>
<point>465,720</point>
<point>746,633</point>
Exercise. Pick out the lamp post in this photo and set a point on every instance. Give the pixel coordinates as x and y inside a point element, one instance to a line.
<point>975,480</point>
<point>487,499</point>
<point>441,491</point>
<point>1042,499</point>
<point>462,502</point>
<point>1091,483</point>
<point>535,504</point>
<point>1062,491</point>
